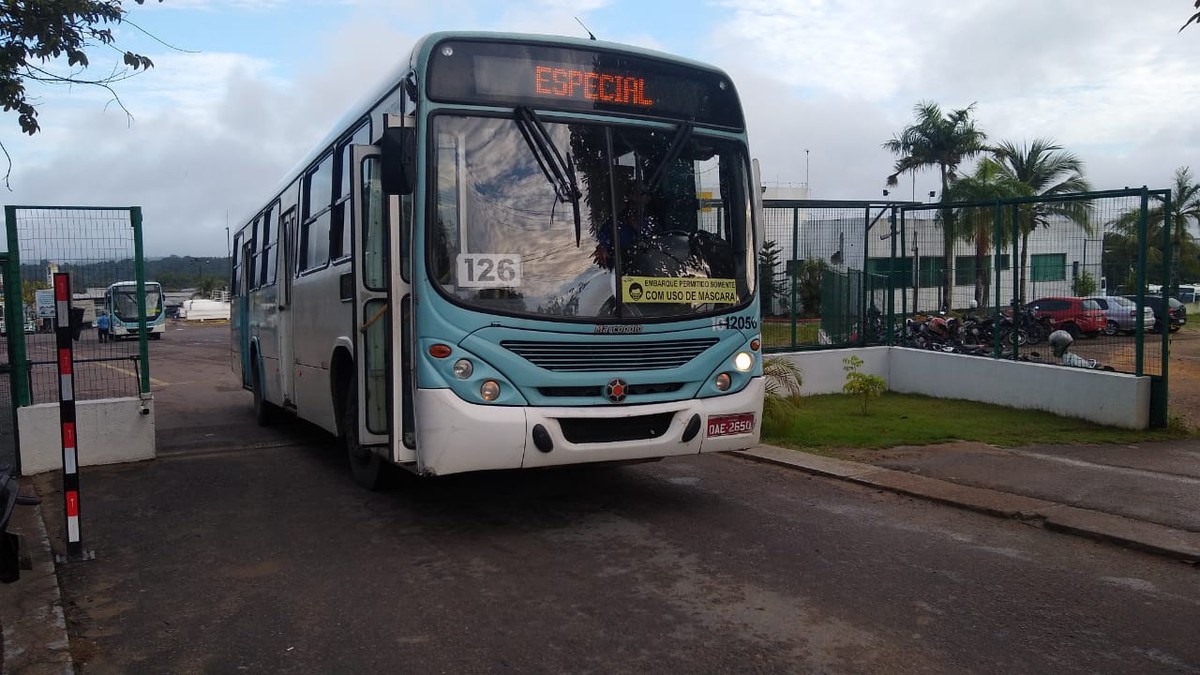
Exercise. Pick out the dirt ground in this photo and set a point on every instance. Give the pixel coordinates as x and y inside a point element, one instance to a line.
<point>1183,378</point>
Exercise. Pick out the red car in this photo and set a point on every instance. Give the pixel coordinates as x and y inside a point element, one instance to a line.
<point>1077,316</point>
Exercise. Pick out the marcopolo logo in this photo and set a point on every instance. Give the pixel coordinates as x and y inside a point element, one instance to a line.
<point>616,390</point>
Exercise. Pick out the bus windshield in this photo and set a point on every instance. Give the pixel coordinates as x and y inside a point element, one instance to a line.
<point>503,233</point>
<point>125,305</point>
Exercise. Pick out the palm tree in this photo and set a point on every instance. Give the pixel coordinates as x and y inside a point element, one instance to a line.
<point>989,182</point>
<point>1185,209</point>
<point>772,284</point>
<point>943,140</point>
<point>1046,170</point>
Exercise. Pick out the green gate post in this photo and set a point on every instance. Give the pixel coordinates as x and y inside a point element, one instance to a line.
<point>795,268</point>
<point>135,218</point>
<point>1158,405</point>
<point>13,303</point>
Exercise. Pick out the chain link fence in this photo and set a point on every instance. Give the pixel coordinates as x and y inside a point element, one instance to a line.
<point>97,247</point>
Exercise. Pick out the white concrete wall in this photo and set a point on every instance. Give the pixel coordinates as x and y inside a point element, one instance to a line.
<point>822,370</point>
<point>109,431</point>
<point>1113,399</point>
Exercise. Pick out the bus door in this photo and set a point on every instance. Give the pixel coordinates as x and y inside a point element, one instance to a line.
<point>285,324</point>
<point>380,339</point>
<point>242,323</point>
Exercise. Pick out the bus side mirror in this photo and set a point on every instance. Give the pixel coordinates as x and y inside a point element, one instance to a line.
<point>756,190</point>
<point>398,148</point>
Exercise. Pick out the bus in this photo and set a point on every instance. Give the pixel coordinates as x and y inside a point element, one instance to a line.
<point>120,301</point>
<point>443,285</point>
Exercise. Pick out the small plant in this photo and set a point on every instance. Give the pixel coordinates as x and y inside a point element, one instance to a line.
<point>862,384</point>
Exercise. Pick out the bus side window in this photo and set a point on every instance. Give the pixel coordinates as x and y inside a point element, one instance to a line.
<point>260,249</point>
<point>374,219</point>
<point>252,254</point>
<point>406,206</point>
<point>340,237</point>
<point>270,246</point>
<point>235,273</point>
<point>314,231</point>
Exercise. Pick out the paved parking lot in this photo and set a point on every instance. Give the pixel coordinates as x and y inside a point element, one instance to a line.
<point>249,549</point>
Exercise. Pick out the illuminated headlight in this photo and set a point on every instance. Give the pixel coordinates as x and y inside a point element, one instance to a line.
<point>743,362</point>
<point>463,369</point>
<point>722,382</point>
<point>489,390</point>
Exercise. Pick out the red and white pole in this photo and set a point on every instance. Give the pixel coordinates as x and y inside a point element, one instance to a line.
<point>66,415</point>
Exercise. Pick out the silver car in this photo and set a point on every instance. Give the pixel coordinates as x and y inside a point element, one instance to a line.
<point>1122,314</point>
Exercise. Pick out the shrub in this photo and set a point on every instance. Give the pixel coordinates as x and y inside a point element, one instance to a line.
<point>863,384</point>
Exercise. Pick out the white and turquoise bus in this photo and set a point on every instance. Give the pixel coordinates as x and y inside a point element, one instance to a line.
<point>120,301</point>
<point>440,283</point>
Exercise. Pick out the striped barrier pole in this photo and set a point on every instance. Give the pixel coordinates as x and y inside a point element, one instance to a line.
<point>66,415</point>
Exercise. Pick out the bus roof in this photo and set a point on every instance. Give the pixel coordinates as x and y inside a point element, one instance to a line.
<point>132,283</point>
<point>419,54</point>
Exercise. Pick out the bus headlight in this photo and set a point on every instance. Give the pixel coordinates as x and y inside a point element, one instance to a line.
<point>722,382</point>
<point>463,369</point>
<point>743,362</point>
<point>489,390</point>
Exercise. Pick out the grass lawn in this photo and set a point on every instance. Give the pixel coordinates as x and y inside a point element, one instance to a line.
<point>779,334</point>
<point>837,421</point>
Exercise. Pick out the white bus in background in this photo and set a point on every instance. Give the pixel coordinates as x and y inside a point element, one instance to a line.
<point>120,301</point>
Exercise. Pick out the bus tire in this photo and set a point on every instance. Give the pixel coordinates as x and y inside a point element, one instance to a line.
<point>262,409</point>
<point>366,467</point>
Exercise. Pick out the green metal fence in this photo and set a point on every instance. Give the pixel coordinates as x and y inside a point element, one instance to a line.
<point>838,274</point>
<point>97,246</point>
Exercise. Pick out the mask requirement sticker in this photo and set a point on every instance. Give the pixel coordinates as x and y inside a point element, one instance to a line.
<point>681,290</point>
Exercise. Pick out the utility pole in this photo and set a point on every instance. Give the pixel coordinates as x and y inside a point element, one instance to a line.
<point>807,185</point>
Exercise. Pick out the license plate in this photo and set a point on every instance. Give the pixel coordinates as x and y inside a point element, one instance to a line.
<point>729,425</point>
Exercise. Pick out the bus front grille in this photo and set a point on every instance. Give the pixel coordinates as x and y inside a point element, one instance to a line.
<point>609,430</point>
<point>582,357</point>
<point>598,391</point>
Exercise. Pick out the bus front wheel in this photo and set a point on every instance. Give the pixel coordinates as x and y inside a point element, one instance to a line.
<point>366,466</point>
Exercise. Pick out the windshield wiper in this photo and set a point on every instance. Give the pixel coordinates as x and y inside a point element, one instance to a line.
<point>559,173</point>
<point>682,134</point>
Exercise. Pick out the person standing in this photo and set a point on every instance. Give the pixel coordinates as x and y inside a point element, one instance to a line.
<point>102,326</point>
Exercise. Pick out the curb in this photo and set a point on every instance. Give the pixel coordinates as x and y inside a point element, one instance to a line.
<point>31,612</point>
<point>1129,532</point>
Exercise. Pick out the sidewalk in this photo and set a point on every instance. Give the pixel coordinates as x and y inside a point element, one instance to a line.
<point>1143,497</point>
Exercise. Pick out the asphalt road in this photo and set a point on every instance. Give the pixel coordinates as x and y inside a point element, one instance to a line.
<point>248,550</point>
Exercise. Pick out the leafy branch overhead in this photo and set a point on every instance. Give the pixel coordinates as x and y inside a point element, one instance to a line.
<point>1195,18</point>
<point>38,32</point>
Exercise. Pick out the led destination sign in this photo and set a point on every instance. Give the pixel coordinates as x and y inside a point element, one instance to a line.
<point>590,86</point>
<point>565,78</point>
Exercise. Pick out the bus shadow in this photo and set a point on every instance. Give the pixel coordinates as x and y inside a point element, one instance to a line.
<point>521,499</point>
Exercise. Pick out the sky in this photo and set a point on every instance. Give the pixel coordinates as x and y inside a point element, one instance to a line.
<point>242,89</point>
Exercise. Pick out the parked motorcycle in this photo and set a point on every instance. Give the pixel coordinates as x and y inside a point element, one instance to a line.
<point>1037,326</point>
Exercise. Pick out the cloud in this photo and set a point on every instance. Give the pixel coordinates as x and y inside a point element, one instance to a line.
<point>214,132</point>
